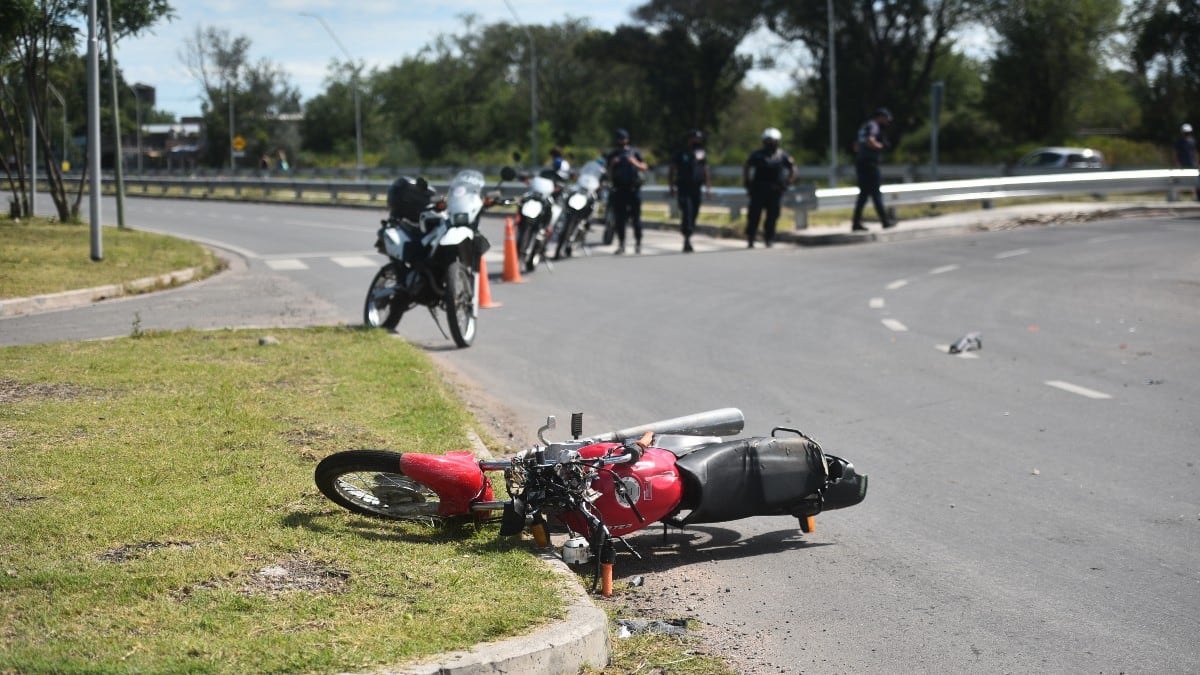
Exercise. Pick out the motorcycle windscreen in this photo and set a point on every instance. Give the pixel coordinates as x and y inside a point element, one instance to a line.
<point>759,476</point>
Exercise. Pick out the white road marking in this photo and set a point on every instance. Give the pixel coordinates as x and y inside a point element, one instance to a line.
<point>285,264</point>
<point>895,325</point>
<point>355,261</point>
<point>899,283</point>
<point>945,349</point>
<point>1012,254</point>
<point>1076,389</point>
<point>876,303</point>
<point>943,269</point>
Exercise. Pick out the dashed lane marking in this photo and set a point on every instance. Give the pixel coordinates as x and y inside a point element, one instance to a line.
<point>895,325</point>
<point>1076,389</point>
<point>876,303</point>
<point>943,269</point>
<point>1011,254</point>
<point>899,283</point>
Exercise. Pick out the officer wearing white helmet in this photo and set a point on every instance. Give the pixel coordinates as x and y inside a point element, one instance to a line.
<point>767,173</point>
<point>1185,152</point>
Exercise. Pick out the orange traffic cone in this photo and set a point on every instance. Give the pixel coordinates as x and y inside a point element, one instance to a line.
<point>485,289</point>
<point>512,266</point>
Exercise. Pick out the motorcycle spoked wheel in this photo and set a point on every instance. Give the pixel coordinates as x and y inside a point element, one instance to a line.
<point>383,307</point>
<point>461,303</point>
<point>370,483</point>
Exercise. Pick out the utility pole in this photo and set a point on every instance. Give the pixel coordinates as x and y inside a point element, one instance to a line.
<point>833,144</point>
<point>533,116</point>
<point>93,140</point>
<point>357,107</point>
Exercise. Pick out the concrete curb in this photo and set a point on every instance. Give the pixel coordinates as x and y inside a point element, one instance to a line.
<point>84,296</point>
<point>563,646</point>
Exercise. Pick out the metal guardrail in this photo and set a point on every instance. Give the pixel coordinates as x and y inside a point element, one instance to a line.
<point>801,199</point>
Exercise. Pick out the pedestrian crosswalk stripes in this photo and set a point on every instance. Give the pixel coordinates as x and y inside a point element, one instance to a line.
<point>651,246</point>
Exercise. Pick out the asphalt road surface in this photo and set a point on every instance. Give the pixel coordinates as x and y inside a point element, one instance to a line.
<point>1034,505</point>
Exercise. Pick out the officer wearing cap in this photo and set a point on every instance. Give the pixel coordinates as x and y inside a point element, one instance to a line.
<point>766,174</point>
<point>870,144</point>
<point>624,165</point>
<point>687,175</point>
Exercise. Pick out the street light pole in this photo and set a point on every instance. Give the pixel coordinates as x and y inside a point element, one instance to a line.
<point>137,106</point>
<point>229,92</point>
<point>533,116</point>
<point>93,135</point>
<point>357,105</point>
<point>833,146</point>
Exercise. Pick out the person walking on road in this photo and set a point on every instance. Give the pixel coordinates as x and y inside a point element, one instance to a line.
<point>767,173</point>
<point>688,174</point>
<point>870,145</point>
<point>1185,152</point>
<point>625,166</point>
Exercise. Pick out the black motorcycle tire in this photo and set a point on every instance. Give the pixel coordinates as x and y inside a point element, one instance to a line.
<point>383,309</point>
<point>461,303</point>
<point>610,227</point>
<point>370,483</point>
<point>565,240</point>
<point>526,241</point>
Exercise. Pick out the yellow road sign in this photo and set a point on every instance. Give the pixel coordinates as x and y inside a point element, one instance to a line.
<point>239,143</point>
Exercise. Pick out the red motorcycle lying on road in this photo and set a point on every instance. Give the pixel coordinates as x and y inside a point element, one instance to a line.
<point>679,472</point>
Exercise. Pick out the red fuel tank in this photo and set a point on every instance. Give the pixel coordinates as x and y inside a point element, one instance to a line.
<point>653,485</point>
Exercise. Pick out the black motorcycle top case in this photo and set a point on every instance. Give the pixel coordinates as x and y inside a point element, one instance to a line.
<point>758,476</point>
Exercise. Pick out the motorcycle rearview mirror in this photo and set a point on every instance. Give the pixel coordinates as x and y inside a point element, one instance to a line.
<point>551,423</point>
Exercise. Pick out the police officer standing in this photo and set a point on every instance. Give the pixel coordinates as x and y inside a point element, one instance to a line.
<point>767,173</point>
<point>688,174</point>
<point>625,164</point>
<point>1185,152</point>
<point>870,144</point>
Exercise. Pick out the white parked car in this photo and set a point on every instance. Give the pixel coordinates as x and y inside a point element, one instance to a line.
<point>1061,158</point>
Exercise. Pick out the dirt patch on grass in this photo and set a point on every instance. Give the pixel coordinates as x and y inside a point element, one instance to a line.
<point>291,575</point>
<point>122,554</point>
<point>12,391</point>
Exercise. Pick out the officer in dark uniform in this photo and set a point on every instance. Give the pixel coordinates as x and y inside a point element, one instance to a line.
<point>767,173</point>
<point>625,164</point>
<point>870,144</point>
<point>688,174</point>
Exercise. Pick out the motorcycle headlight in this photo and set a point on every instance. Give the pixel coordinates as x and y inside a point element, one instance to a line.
<point>577,201</point>
<point>531,209</point>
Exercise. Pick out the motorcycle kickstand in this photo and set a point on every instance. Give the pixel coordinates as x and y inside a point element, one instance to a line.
<point>433,313</point>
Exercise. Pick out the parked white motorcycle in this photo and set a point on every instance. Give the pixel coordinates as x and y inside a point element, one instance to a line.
<point>433,249</point>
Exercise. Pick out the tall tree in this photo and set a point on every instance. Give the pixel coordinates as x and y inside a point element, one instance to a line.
<point>37,43</point>
<point>258,95</point>
<point>885,51</point>
<point>1166,56</point>
<point>684,55</point>
<point>1049,53</point>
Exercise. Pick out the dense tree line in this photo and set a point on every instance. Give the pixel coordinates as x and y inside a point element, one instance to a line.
<point>1016,74</point>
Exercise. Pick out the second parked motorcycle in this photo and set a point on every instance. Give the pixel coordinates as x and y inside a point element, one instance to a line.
<point>538,212</point>
<point>581,202</point>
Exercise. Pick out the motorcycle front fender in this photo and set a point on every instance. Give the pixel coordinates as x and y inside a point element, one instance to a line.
<point>456,235</point>
<point>454,476</point>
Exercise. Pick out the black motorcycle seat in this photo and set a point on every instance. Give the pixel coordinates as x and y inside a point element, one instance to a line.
<point>757,476</point>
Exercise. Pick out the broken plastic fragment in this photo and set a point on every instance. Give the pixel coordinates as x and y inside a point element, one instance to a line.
<point>967,343</point>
